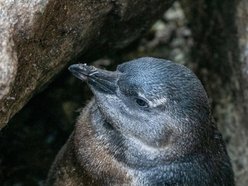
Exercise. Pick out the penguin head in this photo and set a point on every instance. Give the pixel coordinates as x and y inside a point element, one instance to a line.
<point>155,101</point>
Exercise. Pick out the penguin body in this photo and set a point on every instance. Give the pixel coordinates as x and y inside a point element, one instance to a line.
<point>149,123</point>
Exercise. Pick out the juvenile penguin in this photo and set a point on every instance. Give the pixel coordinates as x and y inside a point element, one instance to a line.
<point>149,123</point>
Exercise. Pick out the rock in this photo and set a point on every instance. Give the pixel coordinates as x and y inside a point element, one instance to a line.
<point>40,37</point>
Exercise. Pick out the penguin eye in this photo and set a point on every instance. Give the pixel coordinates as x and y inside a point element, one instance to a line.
<point>141,103</point>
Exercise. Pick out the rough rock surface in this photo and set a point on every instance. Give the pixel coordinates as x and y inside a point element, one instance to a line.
<point>39,37</point>
<point>219,52</point>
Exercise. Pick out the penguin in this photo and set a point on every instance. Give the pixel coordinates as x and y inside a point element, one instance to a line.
<point>149,123</point>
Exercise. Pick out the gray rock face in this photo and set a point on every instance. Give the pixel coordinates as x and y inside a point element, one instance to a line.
<point>38,38</point>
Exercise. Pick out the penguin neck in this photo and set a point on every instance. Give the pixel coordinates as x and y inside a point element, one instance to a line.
<point>129,156</point>
<point>127,149</point>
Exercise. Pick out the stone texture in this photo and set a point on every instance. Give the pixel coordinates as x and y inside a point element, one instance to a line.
<point>219,31</point>
<point>39,38</point>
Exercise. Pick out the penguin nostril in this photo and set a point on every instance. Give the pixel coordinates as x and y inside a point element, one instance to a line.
<point>108,126</point>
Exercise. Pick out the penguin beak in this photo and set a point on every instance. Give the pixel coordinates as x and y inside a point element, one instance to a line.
<point>98,79</point>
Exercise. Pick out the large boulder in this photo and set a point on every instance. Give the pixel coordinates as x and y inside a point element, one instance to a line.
<point>39,38</point>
